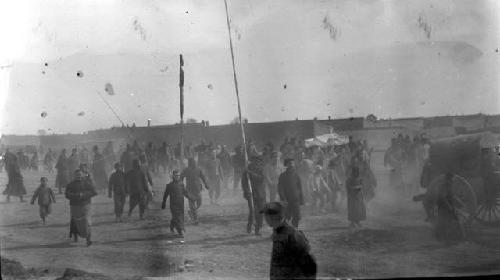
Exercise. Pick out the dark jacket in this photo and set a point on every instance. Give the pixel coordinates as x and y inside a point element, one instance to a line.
<point>194,177</point>
<point>79,192</point>
<point>135,182</point>
<point>257,179</point>
<point>290,257</point>
<point>290,187</point>
<point>45,196</point>
<point>117,183</point>
<point>177,192</point>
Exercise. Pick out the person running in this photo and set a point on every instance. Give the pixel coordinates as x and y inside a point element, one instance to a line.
<point>137,188</point>
<point>79,193</point>
<point>194,178</point>
<point>177,192</point>
<point>117,190</point>
<point>45,198</point>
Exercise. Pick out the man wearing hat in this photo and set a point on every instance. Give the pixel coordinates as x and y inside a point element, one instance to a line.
<point>177,192</point>
<point>290,190</point>
<point>290,257</point>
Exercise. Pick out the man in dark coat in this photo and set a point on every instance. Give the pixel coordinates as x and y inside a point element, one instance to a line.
<point>79,193</point>
<point>255,173</point>
<point>177,192</point>
<point>194,178</point>
<point>99,170</point>
<point>62,178</point>
<point>117,190</point>
<point>290,190</point>
<point>137,188</point>
<point>290,257</point>
<point>73,162</point>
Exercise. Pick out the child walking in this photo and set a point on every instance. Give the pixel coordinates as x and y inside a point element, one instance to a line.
<point>45,198</point>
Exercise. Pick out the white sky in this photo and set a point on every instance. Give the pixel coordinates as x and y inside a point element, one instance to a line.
<point>381,62</point>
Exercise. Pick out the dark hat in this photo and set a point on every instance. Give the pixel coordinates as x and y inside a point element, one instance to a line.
<point>274,208</point>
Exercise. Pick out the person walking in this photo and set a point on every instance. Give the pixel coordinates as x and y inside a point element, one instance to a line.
<point>177,192</point>
<point>79,193</point>
<point>194,178</point>
<point>290,191</point>
<point>45,198</point>
<point>117,190</point>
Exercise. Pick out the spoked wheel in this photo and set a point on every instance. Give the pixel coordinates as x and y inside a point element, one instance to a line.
<point>489,210</point>
<point>464,198</point>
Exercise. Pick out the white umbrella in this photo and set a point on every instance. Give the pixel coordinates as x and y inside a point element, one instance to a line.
<point>331,139</point>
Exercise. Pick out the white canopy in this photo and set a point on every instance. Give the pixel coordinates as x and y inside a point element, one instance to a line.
<point>331,139</point>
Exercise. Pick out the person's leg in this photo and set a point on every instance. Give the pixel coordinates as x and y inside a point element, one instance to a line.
<point>142,206</point>
<point>217,190</point>
<point>250,216</point>
<point>258,216</point>
<point>296,215</point>
<point>133,201</point>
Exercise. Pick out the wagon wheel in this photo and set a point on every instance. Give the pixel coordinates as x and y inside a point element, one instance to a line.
<point>464,198</point>
<point>489,209</point>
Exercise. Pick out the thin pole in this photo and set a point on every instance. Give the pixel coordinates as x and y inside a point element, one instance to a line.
<point>116,114</point>
<point>239,106</point>
<point>181,91</point>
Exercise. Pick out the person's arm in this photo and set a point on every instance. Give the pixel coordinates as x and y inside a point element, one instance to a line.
<point>281,188</point>
<point>299,186</point>
<point>202,176</point>
<point>186,194</point>
<point>165,196</point>
<point>148,175</point>
<point>90,191</point>
<point>34,196</point>
<point>110,185</point>
<point>244,185</point>
<point>52,196</point>
<point>144,182</point>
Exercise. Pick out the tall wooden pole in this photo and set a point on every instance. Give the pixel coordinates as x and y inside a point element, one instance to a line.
<point>239,106</point>
<point>181,89</point>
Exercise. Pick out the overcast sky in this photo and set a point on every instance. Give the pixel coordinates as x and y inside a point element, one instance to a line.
<point>294,58</point>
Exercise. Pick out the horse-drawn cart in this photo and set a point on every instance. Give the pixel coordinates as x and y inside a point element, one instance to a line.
<point>476,189</point>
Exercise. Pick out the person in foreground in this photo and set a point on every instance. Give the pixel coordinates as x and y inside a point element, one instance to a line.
<point>45,198</point>
<point>79,193</point>
<point>177,192</point>
<point>290,257</point>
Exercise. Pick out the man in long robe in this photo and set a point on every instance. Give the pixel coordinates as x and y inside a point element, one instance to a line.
<point>62,178</point>
<point>79,193</point>
<point>99,170</point>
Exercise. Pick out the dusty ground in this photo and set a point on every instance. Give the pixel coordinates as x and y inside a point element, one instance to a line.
<point>394,242</point>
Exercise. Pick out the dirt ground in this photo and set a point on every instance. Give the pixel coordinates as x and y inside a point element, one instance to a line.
<point>395,241</point>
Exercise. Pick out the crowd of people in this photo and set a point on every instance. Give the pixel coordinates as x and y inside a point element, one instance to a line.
<point>276,182</point>
<point>406,158</point>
